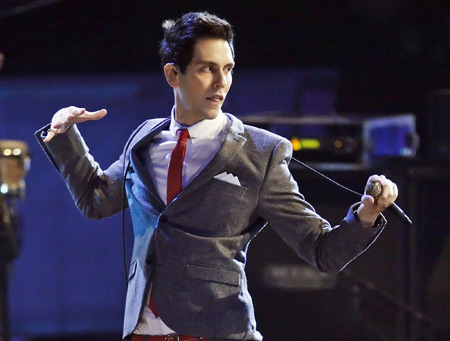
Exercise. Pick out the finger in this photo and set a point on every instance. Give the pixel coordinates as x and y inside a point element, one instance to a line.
<point>390,195</point>
<point>89,116</point>
<point>395,191</point>
<point>96,115</point>
<point>75,111</point>
<point>386,192</point>
<point>374,178</point>
<point>381,179</point>
<point>69,113</point>
<point>393,194</point>
<point>389,188</point>
<point>49,137</point>
<point>51,132</point>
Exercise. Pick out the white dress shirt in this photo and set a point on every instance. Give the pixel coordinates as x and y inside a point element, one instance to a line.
<point>202,145</point>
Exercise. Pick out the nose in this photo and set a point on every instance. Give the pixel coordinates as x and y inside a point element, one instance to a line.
<point>220,80</point>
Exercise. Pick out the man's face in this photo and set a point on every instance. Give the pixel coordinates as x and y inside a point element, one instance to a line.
<point>201,90</point>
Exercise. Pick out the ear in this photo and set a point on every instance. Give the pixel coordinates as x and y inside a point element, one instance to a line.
<point>171,73</point>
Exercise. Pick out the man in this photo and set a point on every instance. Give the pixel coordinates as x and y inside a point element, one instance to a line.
<point>187,270</point>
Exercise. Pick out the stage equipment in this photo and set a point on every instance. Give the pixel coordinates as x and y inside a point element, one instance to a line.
<point>14,164</point>
<point>425,191</point>
<point>343,143</point>
<point>438,121</point>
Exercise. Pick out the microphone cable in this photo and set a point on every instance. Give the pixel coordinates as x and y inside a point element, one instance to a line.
<point>325,177</point>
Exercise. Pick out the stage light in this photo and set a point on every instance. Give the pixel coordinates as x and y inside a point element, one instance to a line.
<point>298,144</point>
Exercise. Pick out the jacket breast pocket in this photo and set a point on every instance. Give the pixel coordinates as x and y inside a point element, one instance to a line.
<point>223,186</point>
<point>217,209</point>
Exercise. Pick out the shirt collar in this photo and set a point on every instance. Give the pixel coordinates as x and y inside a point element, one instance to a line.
<point>200,130</point>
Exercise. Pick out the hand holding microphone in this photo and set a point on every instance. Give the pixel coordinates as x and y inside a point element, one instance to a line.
<point>385,200</point>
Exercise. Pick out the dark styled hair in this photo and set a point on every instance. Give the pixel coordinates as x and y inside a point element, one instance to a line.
<point>181,35</point>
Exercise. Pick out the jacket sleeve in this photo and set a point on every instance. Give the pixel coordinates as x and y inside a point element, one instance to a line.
<point>96,193</point>
<point>328,248</point>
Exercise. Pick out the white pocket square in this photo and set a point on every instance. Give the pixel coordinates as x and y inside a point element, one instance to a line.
<point>228,177</point>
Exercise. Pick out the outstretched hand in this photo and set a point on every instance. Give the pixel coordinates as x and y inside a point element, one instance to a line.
<point>66,117</point>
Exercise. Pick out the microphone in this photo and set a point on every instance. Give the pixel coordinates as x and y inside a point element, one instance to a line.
<point>374,189</point>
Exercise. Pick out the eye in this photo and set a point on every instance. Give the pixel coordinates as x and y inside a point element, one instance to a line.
<point>229,69</point>
<point>207,68</point>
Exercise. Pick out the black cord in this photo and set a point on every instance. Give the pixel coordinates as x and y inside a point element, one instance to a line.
<point>326,177</point>
<point>124,246</point>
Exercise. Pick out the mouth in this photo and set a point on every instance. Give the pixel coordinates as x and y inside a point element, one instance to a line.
<point>215,98</point>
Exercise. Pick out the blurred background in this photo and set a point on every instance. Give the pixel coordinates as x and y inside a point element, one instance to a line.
<point>359,86</point>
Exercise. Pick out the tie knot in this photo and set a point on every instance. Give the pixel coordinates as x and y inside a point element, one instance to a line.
<point>183,134</point>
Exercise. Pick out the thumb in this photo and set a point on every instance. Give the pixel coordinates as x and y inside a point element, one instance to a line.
<point>368,199</point>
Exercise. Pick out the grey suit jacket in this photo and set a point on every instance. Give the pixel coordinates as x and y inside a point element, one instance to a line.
<point>194,249</point>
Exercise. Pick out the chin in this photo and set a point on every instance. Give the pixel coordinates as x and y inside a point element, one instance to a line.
<point>210,114</point>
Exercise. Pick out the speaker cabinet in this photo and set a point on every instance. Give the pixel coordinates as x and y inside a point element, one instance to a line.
<point>438,122</point>
<point>427,193</point>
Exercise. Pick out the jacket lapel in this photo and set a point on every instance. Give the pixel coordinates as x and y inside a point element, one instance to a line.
<point>232,144</point>
<point>141,168</point>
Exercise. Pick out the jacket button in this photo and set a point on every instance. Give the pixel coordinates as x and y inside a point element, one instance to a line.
<point>163,218</point>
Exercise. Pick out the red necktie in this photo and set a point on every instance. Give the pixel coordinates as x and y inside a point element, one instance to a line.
<point>174,176</point>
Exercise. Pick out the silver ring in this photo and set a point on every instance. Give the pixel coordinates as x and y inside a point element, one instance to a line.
<point>51,130</point>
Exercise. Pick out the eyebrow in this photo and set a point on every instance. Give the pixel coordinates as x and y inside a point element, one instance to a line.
<point>207,62</point>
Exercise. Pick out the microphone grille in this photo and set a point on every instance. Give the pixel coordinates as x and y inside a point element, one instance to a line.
<point>373,189</point>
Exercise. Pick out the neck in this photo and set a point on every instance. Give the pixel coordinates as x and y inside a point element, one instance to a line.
<point>187,118</point>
